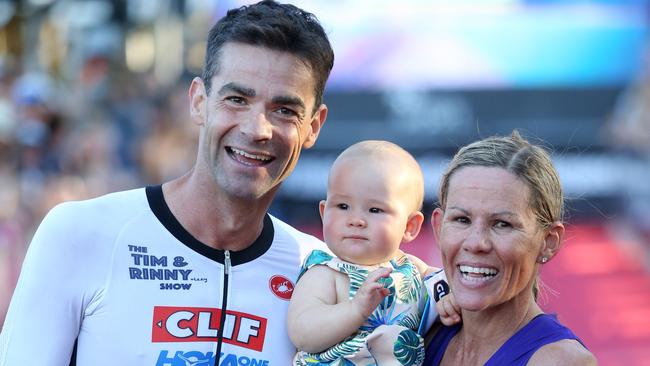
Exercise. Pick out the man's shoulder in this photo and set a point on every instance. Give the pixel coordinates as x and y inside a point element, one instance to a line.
<point>116,199</point>
<point>89,225</point>
<point>106,208</point>
<point>284,228</point>
<point>286,232</point>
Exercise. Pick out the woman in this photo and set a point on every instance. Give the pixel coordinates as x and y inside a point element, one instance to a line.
<point>500,218</point>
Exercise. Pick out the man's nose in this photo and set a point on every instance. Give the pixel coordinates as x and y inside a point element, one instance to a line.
<point>257,126</point>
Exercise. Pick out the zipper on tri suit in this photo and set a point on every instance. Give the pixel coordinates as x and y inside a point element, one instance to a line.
<point>222,321</point>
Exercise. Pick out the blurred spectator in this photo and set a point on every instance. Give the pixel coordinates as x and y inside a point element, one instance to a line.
<point>628,130</point>
<point>76,138</point>
<point>13,241</point>
<point>12,221</point>
<point>166,152</point>
<point>629,126</point>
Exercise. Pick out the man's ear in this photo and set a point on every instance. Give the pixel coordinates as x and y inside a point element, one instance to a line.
<point>198,101</point>
<point>436,222</point>
<point>321,208</point>
<point>552,242</point>
<point>413,226</point>
<point>315,125</point>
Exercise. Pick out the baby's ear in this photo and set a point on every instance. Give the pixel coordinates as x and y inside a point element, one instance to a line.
<point>413,226</point>
<point>321,208</point>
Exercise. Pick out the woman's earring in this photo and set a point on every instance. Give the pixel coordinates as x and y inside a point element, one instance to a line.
<point>544,259</point>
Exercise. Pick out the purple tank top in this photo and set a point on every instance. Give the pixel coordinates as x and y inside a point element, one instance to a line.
<point>516,351</point>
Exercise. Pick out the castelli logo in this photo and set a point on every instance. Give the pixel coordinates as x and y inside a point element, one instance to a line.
<point>281,286</point>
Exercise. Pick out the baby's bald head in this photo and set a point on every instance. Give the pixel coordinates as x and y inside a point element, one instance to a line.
<point>398,165</point>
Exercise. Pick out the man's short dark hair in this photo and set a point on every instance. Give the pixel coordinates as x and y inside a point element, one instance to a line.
<point>280,27</point>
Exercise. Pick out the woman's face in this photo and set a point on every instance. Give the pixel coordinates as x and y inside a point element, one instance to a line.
<point>489,237</point>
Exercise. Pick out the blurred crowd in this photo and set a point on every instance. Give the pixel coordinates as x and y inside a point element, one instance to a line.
<point>62,140</point>
<point>106,129</point>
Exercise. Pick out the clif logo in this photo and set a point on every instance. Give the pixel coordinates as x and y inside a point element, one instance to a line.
<point>192,324</point>
<point>281,286</point>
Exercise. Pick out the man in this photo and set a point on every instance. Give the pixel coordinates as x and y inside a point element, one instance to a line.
<point>192,272</point>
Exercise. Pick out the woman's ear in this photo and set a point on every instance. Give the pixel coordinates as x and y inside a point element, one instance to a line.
<point>552,242</point>
<point>413,226</point>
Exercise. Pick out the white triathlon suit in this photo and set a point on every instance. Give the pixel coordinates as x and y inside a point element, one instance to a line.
<point>118,279</point>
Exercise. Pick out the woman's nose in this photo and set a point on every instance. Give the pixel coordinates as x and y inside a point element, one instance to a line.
<point>477,240</point>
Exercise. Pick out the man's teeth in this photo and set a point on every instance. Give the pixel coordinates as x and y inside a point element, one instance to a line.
<point>470,272</point>
<point>250,156</point>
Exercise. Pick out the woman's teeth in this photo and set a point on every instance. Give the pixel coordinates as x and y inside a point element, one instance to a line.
<point>477,273</point>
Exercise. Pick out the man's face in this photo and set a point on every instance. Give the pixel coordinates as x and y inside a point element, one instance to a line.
<point>257,118</point>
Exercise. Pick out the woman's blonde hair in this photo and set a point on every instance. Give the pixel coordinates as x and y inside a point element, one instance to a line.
<point>530,163</point>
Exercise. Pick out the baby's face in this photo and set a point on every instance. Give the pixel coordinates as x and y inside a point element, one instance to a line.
<point>366,212</point>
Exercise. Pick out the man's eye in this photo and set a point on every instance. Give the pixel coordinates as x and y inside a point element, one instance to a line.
<point>236,99</point>
<point>287,112</point>
<point>462,219</point>
<point>375,210</point>
<point>342,206</point>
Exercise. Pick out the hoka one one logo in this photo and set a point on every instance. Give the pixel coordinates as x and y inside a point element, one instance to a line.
<point>191,358</point>
<point>196,358</point>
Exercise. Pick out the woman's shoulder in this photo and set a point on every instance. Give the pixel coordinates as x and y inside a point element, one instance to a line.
<point>563,352</point>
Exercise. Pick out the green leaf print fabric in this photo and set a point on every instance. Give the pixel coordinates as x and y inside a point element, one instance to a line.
<point>389,336</point>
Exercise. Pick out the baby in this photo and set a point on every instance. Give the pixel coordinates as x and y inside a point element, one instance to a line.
<point>364,306</point>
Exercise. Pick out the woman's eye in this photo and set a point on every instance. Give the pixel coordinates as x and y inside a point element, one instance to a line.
<point>376,210</point>
<point>342,206</point>
<point>502,224</point>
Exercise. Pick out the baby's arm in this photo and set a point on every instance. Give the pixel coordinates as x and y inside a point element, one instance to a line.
<point>446,306</point>
<point>314,306</point>
<point>448,310</point>
<point>422,267</point>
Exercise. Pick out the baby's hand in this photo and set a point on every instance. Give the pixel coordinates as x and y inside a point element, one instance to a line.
<point>371,292</point>
<point>448,310</point>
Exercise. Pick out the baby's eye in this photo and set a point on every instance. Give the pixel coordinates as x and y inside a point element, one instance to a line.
<point>375,210</point>
<point>342,206</point>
